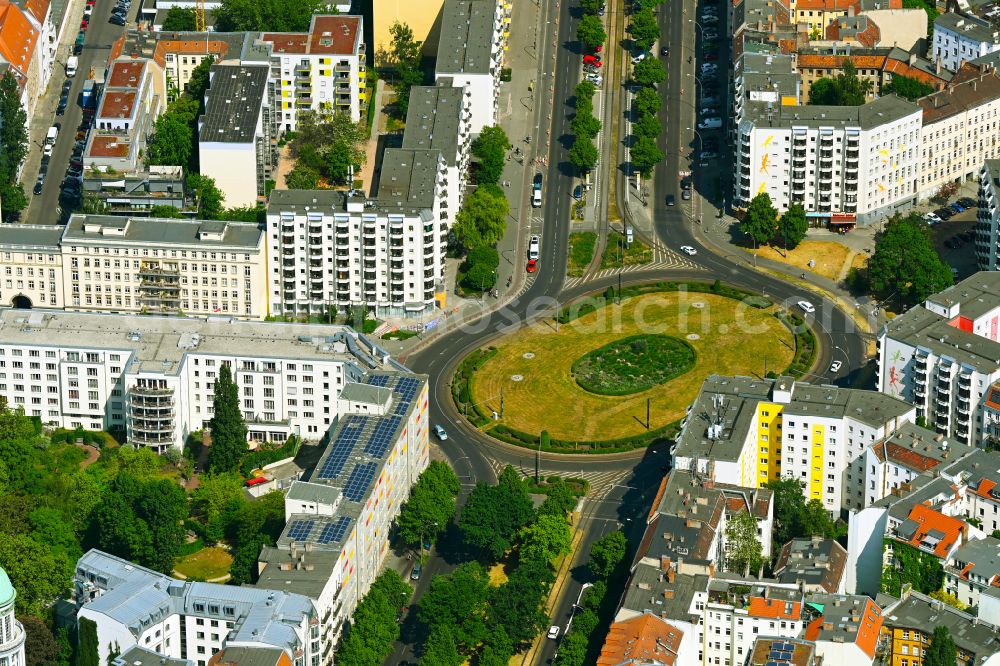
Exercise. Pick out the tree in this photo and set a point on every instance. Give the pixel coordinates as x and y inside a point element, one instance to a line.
<point>824,92</point>
<point>256,214</point>
<point>87,648</point>
<point>945,193</point>
<point>49,526</point>
<point>744,552</point>
<point>13,144</point>
<point>846,89</point>
<point>458,601</point>
<point>646,125</point>
<point>440,649</point>
<point>606,554</point>
<point>583,154</point>
<point>559,500</point>
<point>302,178</point>
<point>905,265</point>
<point>480,278</point>
<point>649,72</point>
<point>208,197</point>
<point>39,574</point>
<point>490,149</point>
<point>789,503</point>
<point>329,143</point>
<point>646,102</point>
<point>584,90</point>
<point>374,628</point>
<point>949,598</point>
<point>179,19</point>
<point>591,6</point>
<point>645,155</point>
<point>229,432</point>
<point>493,515</point>
<point>517,604</point>
<point>644,29</point>
<point>483,217</point>
<point>172,142</point>
<point>815,520</point>
<point>166,211</point>
<point>266,15</point>
<point>40,646</point>
<point>431,504</point>
<point>545,539</point>
<point>792,227</point>
<point>760,220</point>
<point>405,59</point>
<point>585,124</point>
<point>590,31</point>
<point>941,651</point>
<point>907,87</point>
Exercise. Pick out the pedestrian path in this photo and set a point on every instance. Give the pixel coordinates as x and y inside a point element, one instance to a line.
<point>663,259</point>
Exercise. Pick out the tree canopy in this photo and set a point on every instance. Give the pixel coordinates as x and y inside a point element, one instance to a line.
<point>266,15</point>
<point>13,144</point>
<point>644,28</point>
<point>431,504</point>
<point>483,217</point>
<point>649,72</point>
<point>744,553</point>
<point>546,538</point>
<point>374,628</point>
<point>590,31</point>
<point>792,227</point>
<point>179,19</point>
<point>493,515</point>
<point>647,102</point>
<point>942,650</point>
<point>229,432</point>
<point>329,143</point>
<point>907,87</point>
<point>606,553</point>
<point>490,150</point>
<point>760,220</point>
<point>404,59</point>
<point>794,517</point>
<point>845,89</point>
<point>458,601</point>
<point>905,266</point>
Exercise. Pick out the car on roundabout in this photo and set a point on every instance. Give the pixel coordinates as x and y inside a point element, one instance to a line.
<point>688,250</point>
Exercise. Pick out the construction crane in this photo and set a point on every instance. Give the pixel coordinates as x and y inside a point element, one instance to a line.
<point>199,15</point>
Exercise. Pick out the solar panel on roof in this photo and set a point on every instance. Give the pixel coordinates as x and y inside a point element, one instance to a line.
<point>773,654</point>
<point>382,436</point>
<point>784,646</point>
<point>359,480</point>
<point>334,531</point>
<point>771,663</point>
<point>347,438</point>
<point>784,656</point>
<point>299,529</point>
<point>406,388</point>
<point>378,380</point>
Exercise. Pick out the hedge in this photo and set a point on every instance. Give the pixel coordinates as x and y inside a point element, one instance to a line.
<point>93,437</point>
<point>805,344</point>
<point>519,438</point>
<point>461,386</point>
<point>263,457</point>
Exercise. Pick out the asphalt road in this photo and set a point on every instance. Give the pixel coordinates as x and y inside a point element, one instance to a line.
<point>101,35</point>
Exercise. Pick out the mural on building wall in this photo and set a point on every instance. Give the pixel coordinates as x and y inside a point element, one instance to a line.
<point>896,363</point>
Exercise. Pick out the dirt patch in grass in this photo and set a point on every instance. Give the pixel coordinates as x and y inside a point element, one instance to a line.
<point>498,574</point>
<point>829,257</point>
<point>616,254</point>
<point>533,367</point>
<point>581,252</point>
<point>207,564</point>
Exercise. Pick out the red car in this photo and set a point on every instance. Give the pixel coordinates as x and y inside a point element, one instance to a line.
<point>532,265</point>
<point>83,25</point>
<point>710,57</point>
<point>591,60</point>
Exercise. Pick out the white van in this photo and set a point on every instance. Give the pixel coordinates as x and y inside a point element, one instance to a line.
<point>52,135</point>
<point>710,123</point>
<point>534,247</point>
<point>71,64</point>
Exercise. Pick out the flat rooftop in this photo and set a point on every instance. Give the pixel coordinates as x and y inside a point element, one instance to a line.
<point>176,233</point>
<point>885,109</point>
<point>466,41</point>
<point>328,34</point>
<point>233,103</point>
<point>408,181</point>
<point>160,344</point>
<point>433,120</point>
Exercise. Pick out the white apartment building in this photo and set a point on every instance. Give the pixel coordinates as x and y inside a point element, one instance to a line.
<point>235,133</point>
<point>338,521</point>
<point>12,635</point>
<point>845,165</point>
<point>960,131</point>
<point>973,572</point>
<point>761,77</point>
<point>134,606</point>
<point>747,432</point>
<point>470,55</point>
<point>321,69</point>
<point>942,356</point>
<point>334,249</point>
<point>31,261</point>
<point>440,118</point>
<point>152,378</point>
<point>988,217</point>
<point>132,99</point>
<point>960,38</point>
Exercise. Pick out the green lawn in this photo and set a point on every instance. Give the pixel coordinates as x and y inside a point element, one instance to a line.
<point>616,254</point>
<point>581,252</point>
<point>633,364</point>
<point>206,564</point>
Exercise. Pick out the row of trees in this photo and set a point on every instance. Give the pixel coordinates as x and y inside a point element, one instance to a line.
<point>649,72</point>
<point>464,615</point>
<point>583,153</point>
<point>483,218</point>
<point>480,269</point>
<point>430,507</point>
<point>607,556</point>
<point>375,627</point>
<point>763,225</point>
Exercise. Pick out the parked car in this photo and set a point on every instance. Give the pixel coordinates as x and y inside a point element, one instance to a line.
<point>596,79</point>
<point>591,60</point>
<point>665,52</point>
<point>710,123</point>
<point>957,207</point>
<point>578,192</point>
<point>553,632</point>
<point>531,266</point>
<point>967,202</point>
<point>117,20</point>
<point>417,570</point>
<point>686,195</point>
<point>38,184</point>
<point>708,155</point>
<point>639,58</point>
<point>944,213</point>
<point>932,218</point>
<point>63,103</point>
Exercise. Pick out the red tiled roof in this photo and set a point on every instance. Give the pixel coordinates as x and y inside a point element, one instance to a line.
<point>659,494</point>
<point>17,37</point>
<point>824,5</point>
<point>197,46</point>
<point>903,68</point>
<point>928,519</point>
<point>816,61</point>
<point>984,488</point>
<point>38,9</point>
<point>774,608</point>
<point>869,627</point>
<point>126,74</point>
<point>910,458</point>
<point>333,34</point>
<point>641,639</point>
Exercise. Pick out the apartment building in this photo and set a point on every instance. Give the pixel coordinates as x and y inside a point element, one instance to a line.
<point>334,249</point>
<point>972,570</point>
<point>845,165</point>
<point>137,192</point>
<point>899,28</point>
<point>748,432</point>
<point>845,629</point>
<point>892,464</point>
<point>471,51</point>
<point>988,217</point>
<point>140,656</point>
<point>943,355</point>
<point>959,38</point>
<point>875,65</point>
<point>132,99</point>
<point>759,503</point>
<point>338,520</point>
<point>235,133</point>
<point>32,266</point>
<point>762,75</point>
<point>815,564</point>
<point>782,652</point>
<point>323,69</point>
<point>960,131</point>
<point>136,607</point>
<point>440,118</point>
<point>151,378</point>
<point>909,623</point>
<point>642,640</point>
<point>28,47</point>
<point>12,635</point>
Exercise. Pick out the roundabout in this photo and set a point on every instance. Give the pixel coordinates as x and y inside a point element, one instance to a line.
<point>589,379</point>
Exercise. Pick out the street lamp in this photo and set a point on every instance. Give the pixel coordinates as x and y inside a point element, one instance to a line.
<point>572,612</point>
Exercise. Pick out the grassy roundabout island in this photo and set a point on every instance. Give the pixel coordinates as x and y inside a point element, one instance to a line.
<point>590,380</point>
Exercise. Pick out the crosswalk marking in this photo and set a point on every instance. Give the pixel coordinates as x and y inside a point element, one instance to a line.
<point>662,259</point>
